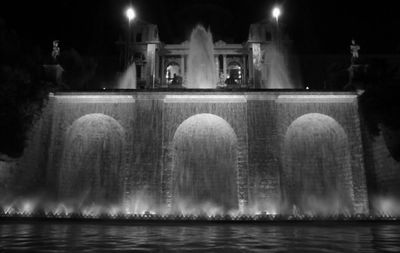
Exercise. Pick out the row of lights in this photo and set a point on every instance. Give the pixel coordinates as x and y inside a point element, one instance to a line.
<point>176,217</point>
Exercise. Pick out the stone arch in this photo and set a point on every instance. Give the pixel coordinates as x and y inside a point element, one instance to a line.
<point>173,69</point>
<point>234,72</point>
<point>92,161</point>
<point>317,176</point>
<point>205,163</point>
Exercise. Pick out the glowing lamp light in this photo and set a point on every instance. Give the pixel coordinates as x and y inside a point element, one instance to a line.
<point>276,13</point>
<point>130,14</point>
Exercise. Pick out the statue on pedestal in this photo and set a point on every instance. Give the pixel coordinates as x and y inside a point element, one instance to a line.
<point>56,50</point>
<point>53,71</point>
<point>354,48</point>
<point>356,70</point>
<point>221,82</point>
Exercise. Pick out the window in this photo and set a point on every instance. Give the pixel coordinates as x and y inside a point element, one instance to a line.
<point>268,36</point>
<point>139,37</point>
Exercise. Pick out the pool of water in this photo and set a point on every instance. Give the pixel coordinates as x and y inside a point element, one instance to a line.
<point>82,237</point>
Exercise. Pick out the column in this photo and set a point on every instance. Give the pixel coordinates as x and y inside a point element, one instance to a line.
<point>162,70</point>
<point>183,74</point>
<point>244,70</point>
<point>225,67</point>
<point>157,66</point>
<point>216,60</point>
<point>257,66</point>
<point>250,67</point>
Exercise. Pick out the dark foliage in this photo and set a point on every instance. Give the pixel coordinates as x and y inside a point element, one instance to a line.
<point>79,71</point>
<point>22,93</point>
<point>380,104</point>
<point>25,82</point>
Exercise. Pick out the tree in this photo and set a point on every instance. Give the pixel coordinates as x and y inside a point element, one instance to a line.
<point>380,103</point>
<point>22,92</point>
<point>79,70</point>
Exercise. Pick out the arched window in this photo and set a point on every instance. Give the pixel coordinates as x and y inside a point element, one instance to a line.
<point>139,37</point>
<point>235,74</point>
<point>173,74</point>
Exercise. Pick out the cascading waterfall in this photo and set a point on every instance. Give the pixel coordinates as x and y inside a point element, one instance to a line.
<point>205,164</point>
<point>120,154</point>
<point>317,175</point>
<point>91,168</point>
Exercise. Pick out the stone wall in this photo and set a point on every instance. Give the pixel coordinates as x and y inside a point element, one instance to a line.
<point>264,166</point>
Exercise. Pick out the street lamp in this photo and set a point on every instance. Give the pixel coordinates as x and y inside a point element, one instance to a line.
<point>276,13</point>
<point>130,15</point>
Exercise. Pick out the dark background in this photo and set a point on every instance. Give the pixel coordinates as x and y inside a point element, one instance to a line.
<point>315,26</point>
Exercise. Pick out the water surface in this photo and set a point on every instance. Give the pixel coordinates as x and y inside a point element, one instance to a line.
<point>79,237</point>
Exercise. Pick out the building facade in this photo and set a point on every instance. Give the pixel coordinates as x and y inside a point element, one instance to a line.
<point>160,65</point>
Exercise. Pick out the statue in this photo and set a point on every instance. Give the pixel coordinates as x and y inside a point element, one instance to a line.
<point>354,48</point>
<point>56,50</point>
<point>356,70</point>
<point>221,82</point>
<point>53,71</point>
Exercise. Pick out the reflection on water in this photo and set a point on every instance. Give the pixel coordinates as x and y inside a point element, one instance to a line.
<point>76,237</point>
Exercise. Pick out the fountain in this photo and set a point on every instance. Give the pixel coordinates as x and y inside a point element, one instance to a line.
<point>210,156</point>
<point>91,161</point>
<point>204,169</point>
<point>201,64</point>
<point>128,79</point>
<point>317,174</point>
<point>276,74</point>
<point>188,155</point>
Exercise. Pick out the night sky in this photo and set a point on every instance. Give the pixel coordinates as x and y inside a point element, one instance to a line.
<point>315,26</point>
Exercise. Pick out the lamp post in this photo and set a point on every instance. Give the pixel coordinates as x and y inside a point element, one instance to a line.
<point>130,15</point>
<point>276,13</point>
